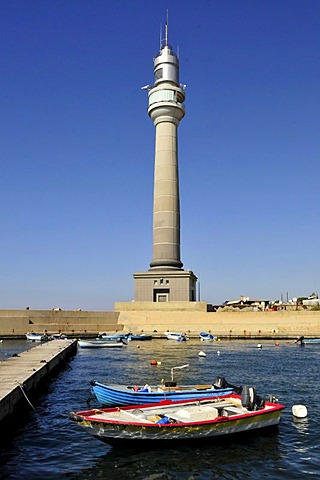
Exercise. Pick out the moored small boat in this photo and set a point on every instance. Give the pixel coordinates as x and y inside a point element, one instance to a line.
<point>119,395</point>
<point>59,336</point>
<point>98,343</point>
<point>38,337</point>
<point>303,340</point>
<point>207,337</point>
<point>181,420</point>
<point>178,337</point>
<point>141,337</point>
<point>112,336</point>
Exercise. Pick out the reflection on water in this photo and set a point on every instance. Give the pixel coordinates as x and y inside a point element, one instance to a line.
<point>49,446</point>
<point>218,459</point>
<point>301,424</point>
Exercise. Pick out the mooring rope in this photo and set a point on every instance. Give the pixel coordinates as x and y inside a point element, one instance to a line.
<point>24,393</point>
<point>66,363</point>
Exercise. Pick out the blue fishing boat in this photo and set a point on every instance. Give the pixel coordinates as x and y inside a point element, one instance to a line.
<point>141,337</point>
<point>111,395</point>
<point>119,395</point>
<point>207,337</point>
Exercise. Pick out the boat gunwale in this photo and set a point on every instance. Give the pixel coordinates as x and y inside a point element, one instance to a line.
<point>196,423</point>
<point>270,408</point>
<point>181,388</point>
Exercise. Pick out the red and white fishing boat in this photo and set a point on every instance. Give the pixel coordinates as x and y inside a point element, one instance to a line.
<point>182,420</point>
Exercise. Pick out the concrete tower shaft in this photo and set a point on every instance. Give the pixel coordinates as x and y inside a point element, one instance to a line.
<point>166,109</point>
<point>165,281</point>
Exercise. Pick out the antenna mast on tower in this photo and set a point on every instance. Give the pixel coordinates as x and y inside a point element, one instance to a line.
<point>164,41</point>
<point>167,29</point>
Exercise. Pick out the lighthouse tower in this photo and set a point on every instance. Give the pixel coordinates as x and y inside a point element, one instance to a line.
<point>166,109</point>
<point>166,280</point>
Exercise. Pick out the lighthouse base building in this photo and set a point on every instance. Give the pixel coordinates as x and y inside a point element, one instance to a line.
<point>165,286</point>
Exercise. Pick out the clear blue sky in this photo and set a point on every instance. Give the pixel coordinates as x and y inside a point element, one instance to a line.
<point>77,148</point>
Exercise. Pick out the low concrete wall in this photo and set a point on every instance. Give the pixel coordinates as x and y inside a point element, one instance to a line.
<point>19,322</point>
<point>279,323</point>
<point>162,307</point>
<point>152,317</point>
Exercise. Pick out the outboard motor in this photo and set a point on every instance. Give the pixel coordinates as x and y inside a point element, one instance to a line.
<point>170,384</point>
<point>260,402</point>
<point>271,398</point>
<point>248,398</point>
<point>221,382</point>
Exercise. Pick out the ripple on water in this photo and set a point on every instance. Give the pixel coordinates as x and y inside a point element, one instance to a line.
<point>49,446</point>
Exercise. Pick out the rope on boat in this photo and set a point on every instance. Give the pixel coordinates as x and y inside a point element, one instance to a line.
<point>24,393</point>
<point>91,397</point>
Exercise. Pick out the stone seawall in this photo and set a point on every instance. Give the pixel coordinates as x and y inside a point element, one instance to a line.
<point>19,322</point>
<point>155,318</point>
<point>225,324</point>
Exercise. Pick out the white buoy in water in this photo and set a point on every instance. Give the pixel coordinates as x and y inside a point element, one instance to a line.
<point>218,352</point>
<point>202,354</point>
<point>259,345</point>
<point>299,411</point>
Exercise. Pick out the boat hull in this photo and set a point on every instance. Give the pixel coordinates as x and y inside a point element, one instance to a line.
<point>120,395</point>
<point>103,424</point>
<point>178,337</point>
<point>37,337</point>
<point>207,337</point>
<point>99,344</point>
<point>113,336</point>
<point>141,338</point>
<point>178,433</point>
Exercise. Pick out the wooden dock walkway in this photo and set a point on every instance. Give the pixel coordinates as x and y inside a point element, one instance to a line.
<point>22,375</point>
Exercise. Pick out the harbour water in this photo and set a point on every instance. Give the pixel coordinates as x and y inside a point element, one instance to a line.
<point>47,445</point>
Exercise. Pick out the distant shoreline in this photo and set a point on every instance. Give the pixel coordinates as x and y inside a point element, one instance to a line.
<point>155,319</point>
<point>274,337</point>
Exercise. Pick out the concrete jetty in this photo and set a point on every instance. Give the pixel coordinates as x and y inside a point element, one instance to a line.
<point>21,376</point>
